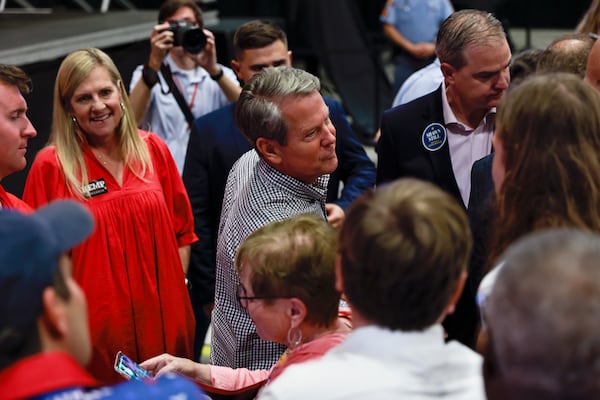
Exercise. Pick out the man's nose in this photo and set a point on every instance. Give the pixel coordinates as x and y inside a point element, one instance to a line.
<point>29,130</point>
<point>503,80</point>
<point>330,136</point>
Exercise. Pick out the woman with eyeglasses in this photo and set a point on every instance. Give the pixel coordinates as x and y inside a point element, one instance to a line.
<point>287,286</point>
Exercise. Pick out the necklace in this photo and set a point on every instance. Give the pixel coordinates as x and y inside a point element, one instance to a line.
<point>105,160</point>
<point>100,158</point>
<point>114,167</point>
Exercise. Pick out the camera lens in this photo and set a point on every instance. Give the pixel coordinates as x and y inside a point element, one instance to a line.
<point>193,41</point>
<point>185,34</point>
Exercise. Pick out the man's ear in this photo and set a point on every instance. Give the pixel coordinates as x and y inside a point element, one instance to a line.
<point>269,149</point>
<point>449,72</point>
<point>460,285</point>
<point>53,313</point>
<point>339,279</point>
<point>290,58</point>
<point>235,66</point>
<point>492,377</point>
<point>296,311</point>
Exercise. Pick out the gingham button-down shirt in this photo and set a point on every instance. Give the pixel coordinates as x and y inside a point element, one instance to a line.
<point>255,195</point>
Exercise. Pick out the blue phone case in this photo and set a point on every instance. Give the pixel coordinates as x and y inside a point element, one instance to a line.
<point>129,368</point>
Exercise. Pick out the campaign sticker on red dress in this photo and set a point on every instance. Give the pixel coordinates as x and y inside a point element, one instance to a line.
<point>96,188</point>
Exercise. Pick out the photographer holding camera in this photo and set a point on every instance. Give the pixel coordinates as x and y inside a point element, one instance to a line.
<point>181,43</point>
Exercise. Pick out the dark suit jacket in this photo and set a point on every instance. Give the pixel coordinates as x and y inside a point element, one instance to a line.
<point>211,153</point>
<point>400,149</point>
<point>481,202</point>
<point>401,153</point>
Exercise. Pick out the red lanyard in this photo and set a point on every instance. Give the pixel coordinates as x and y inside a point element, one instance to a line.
<point>193,99</point>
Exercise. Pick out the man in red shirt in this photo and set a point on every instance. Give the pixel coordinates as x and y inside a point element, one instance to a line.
<point>15,128</point>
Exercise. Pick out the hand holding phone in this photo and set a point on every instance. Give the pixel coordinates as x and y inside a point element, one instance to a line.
<point>129,369</point>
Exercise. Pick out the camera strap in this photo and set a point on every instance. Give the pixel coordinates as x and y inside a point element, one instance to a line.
<point>166,72</point>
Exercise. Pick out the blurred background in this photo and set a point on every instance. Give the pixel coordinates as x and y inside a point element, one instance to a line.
<point>338,40</point>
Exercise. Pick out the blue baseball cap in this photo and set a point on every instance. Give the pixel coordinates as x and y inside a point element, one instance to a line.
<point>30,246</point>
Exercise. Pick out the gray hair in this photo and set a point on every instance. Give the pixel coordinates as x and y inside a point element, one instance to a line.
<point>257,112</point>
<point>465,28</point>
<point>544,316</point>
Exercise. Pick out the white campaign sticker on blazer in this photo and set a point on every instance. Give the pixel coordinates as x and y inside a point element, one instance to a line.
<point>434,136</point>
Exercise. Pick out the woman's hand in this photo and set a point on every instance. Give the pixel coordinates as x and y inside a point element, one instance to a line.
<point>164,363</point>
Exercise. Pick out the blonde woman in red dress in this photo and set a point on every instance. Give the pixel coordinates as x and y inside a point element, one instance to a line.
<point>132,268</point>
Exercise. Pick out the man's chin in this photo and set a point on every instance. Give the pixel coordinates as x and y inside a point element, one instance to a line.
<point>494,101</point>
<point>332,165</point>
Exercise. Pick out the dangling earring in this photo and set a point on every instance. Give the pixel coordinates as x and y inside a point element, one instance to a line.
<point>74,119</point>
<point>294,337</point>
<point>122,106</point>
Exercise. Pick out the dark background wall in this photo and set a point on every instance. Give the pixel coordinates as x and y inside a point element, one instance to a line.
<point>535,13</point>
<point>519,13</point>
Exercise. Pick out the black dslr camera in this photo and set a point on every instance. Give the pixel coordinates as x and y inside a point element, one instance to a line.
<point>185,34</point>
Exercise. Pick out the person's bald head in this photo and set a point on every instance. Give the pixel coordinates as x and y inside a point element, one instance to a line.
<point>568,53</point>
<point>540,338</point>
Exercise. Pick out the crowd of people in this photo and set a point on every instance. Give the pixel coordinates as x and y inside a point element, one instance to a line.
<point>462,266</point>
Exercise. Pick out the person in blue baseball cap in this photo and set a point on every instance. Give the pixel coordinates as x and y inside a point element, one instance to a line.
<point>44,333</point>
<point>42,308</point>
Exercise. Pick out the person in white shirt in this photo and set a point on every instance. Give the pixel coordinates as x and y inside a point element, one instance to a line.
<point>402,266</point>
<point>420,83</point>
<point>204,84</point>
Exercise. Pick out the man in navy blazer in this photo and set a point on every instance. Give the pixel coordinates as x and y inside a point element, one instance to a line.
<point>439,136</point>
<point>218,143</point>
<point>400,149</point>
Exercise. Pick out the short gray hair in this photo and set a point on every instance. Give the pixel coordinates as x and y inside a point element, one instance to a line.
<point>543,315</point>
<point>465,28</point>
<point>257,112</point>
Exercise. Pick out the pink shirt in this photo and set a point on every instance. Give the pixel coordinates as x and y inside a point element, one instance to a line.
<point>233,379</point>
<point>467,145</point>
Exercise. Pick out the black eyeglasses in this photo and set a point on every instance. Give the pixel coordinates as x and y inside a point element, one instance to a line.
<point>243,299</point>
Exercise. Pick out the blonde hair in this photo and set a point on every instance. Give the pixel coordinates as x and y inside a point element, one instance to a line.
<point>69,141</point>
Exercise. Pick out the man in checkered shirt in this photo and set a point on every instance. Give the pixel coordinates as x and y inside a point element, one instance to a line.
<point>283,114</point>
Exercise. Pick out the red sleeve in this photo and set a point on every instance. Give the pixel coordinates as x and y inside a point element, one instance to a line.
<point>9,200</point>
<point>19,204</point>
<point>173,189</point>
<point>44,179</point>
